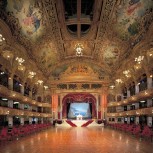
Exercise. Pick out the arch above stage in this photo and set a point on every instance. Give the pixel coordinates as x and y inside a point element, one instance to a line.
<point>79,97</point>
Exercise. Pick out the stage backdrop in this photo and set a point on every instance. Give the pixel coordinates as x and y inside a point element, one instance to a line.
<point>82,109</point>
<point>79,98</point>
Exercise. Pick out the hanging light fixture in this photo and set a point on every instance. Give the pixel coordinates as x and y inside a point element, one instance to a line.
<point>1,39</point>
<point>79,47</point>
<point>20,60</point>
<point>119,81</point>
<point>127,73</point>
<point>21,67</point>
<point>31,74</point>
<point>139,59</point>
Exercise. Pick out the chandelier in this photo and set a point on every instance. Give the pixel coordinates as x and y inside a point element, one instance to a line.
<point>21,67</point>
<point>31,74</point>
<point>119,81</point>
<point>79,47</point>
<point>1,38</point>
<point>40,82</point>
<point>139,59</point>
<point>20,60</point>
<point>126,73</point>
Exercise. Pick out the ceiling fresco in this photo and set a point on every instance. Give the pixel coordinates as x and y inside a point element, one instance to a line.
<point>29,16</point>
<point>116,26</point>
<point>46,54</point>
<point>110,52</point>
<point>128,18</point>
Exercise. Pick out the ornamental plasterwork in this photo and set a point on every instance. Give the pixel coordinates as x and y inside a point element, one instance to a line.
<point>120,27</point>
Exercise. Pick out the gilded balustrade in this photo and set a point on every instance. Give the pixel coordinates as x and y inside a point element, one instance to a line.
<point>12,95</point>
<point>143,111</point>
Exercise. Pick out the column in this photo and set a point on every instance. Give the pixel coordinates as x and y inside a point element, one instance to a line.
<point>30,120</point>
<point>122,120</point>
<point>21,106</point>
<point>36,120</point>
<point>128,93</point>
<point>42,120</point>
<point>137,120</point>
<point>104,106</point>
<point>22,89</point>
<point>128,120</point>
<point>10,103</point>
<point>136,88</point>
<point>10,82</point>
<point>10,121</point>
<point>97,103</point>
<point>116,120</point>
<point>99,108</point>
<point>128,107</point>
<point>149,102</point>
<point>55,106</point>
<point>149,82</point>
<point>136,105</point>
<point>149,121</point>
<point>42,109</point>
<point>30,94</point>
<point>30,108</point>
<point>61,108</point>
<point>21,121</point>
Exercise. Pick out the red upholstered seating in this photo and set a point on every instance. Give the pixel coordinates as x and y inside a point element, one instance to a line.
<point>4,135</point>
<point>137,130</point>
<point>147,132</point>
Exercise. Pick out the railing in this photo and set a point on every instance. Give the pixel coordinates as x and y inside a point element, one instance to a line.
<point>12,95</point>
<point>143,111</point>
<point>143,95</point>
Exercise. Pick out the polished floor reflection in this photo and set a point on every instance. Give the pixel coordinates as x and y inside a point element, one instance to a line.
<point>78,140</point>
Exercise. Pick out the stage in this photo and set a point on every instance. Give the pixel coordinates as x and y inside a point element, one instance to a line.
<point>79,123</point>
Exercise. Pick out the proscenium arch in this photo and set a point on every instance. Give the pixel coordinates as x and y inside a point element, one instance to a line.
<point>79,97</point>
<point>73,61</point>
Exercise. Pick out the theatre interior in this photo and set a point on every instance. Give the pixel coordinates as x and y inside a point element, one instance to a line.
<point>76,76</point>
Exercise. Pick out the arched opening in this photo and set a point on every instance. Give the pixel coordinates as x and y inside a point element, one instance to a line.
<point>75,100</point>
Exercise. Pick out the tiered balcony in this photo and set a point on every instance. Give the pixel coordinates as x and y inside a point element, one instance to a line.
<point>12,95</point>
<point>143,95</point>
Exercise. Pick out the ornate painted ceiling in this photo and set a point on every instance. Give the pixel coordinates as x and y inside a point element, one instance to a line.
<point>50,29</point>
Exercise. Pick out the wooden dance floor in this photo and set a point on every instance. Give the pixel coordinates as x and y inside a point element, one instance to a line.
<point>78,140</point>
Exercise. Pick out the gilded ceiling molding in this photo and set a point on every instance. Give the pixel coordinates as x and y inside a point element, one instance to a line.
<point>51,14</point>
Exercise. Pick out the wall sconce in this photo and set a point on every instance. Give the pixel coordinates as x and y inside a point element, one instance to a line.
<point>112,86</point>
<point>119,81</point>
<point>7,54</point>
<point>46,87</point>
<point>40,82</point>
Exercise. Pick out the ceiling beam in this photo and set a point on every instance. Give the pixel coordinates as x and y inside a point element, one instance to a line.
<point>78,18</point>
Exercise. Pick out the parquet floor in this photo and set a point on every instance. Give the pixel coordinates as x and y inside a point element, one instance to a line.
<point>78,140</point>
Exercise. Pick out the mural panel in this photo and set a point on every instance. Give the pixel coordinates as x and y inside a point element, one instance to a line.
<point>110,52</point>
<point>29,16</point>
<point>128,16</point>
<point>46,55</point>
